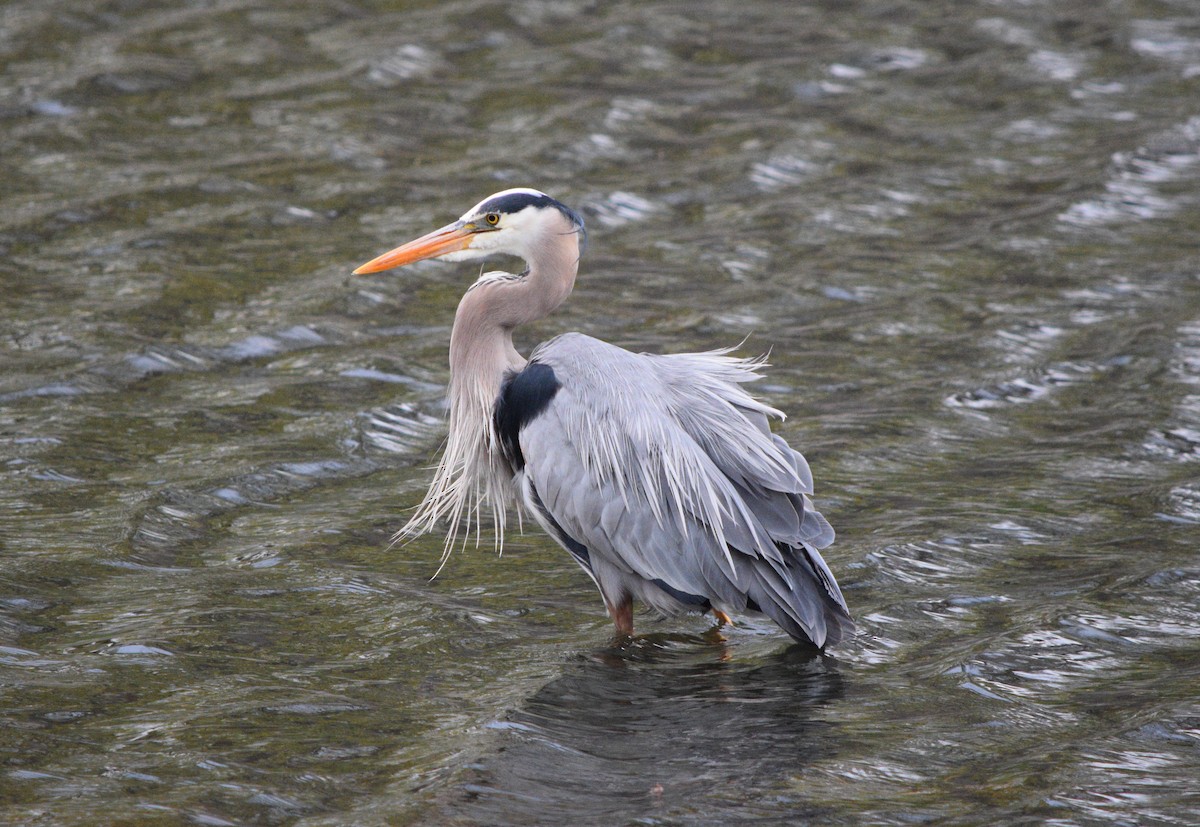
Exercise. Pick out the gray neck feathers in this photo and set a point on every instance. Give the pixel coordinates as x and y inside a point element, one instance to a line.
<point>471,473</point>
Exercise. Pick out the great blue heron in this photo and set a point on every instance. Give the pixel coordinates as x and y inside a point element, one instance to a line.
<point>658,474</point>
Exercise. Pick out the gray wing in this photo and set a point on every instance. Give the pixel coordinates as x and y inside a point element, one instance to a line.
<point>661,476</point>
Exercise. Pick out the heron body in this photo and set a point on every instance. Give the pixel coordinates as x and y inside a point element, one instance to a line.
<point>658,474</point>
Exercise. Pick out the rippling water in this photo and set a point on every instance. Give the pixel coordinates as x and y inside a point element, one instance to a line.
<point>966,232</point>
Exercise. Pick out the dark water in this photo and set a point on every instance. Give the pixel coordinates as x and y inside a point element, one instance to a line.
<point>967,232</point>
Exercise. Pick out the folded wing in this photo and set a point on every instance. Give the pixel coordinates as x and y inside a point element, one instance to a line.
<point>660,474</point>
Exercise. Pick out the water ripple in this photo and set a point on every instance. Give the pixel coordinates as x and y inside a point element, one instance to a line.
<point>1179,443</point>
<point>967,242</point>
<point>624,113</point>
<point>1136,189</point>
<point>165,528</point>
<point>405,63</point>
<point>620,208</point>
<point>1026,389</point>
<point>400,429</point>
<point>1185,362</point>
<point>1185,500</point>
<point>1163,39</point>
<point>781,171</point>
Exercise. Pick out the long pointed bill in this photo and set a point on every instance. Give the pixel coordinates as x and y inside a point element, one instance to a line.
<point>448,239</point>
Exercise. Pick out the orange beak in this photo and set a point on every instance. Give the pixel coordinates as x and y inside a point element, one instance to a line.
<point>448,239</point>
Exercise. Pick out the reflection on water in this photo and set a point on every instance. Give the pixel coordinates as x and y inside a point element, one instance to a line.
<point>665,728</point>
<point>965,233</point>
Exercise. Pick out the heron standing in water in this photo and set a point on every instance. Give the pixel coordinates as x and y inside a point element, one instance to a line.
<point>658,474</point>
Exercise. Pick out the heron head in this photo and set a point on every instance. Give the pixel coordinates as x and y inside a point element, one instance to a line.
<point>512,222</point>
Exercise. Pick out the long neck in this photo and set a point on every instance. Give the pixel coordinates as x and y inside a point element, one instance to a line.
<point>481,347</point>
<point>472,471</point>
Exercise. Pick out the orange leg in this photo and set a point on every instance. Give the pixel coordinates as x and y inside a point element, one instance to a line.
<point>722,618</point>
<point>622,615</point>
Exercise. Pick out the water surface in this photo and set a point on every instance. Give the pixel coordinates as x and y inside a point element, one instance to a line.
<point>966,233</point>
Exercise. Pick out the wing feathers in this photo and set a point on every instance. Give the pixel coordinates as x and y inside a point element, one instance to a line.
<point>666,470</point>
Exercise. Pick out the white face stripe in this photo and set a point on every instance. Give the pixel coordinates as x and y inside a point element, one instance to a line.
<point>513,191</point>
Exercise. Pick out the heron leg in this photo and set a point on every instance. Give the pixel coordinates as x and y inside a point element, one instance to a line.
<point>722,618</point>
<point>622,615</point>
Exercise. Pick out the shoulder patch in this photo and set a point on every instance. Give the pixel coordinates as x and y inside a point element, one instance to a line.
<point>523,396</point>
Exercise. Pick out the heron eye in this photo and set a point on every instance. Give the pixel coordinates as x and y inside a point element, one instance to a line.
<point>492,219</point>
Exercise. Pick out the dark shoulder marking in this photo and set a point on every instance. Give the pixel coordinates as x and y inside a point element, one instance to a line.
<point>523,396</point>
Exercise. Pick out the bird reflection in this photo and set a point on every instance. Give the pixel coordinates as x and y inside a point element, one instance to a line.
<point>657,727</point>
